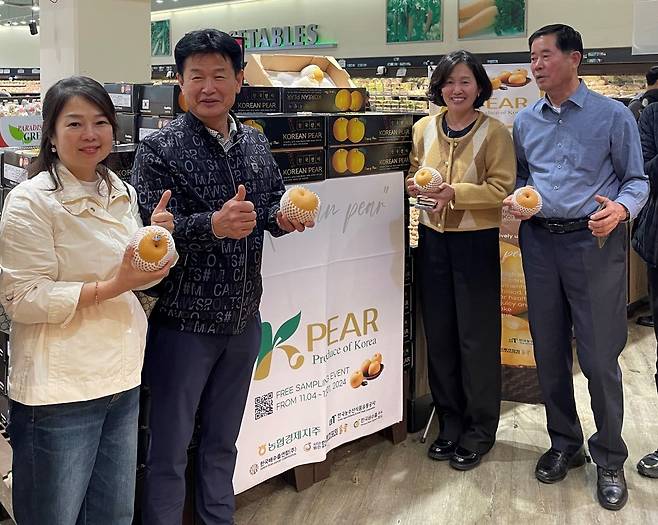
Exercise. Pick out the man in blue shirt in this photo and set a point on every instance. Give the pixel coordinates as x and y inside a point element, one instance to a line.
<point>581,151</point>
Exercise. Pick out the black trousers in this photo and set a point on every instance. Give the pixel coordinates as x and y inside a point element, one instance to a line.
<point>185,372</point>
<point>653,298</point>
<point>575,287</point>
<point>459,277</point>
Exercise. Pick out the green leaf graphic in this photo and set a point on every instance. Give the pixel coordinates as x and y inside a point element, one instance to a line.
<point>266,345</point>
<point>287,329</point>
<point>16,133</point>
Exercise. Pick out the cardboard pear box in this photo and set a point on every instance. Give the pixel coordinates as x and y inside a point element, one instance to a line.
<point>127,128</point>
<point>367,159</point>
<point>366,128</point>
<point>150,124</point>
<point>284,131</point>
<point>301,165</point>
<point>254,99</point>
<point>344,97</point>
<point>125,97</point>
<point>163,100</point>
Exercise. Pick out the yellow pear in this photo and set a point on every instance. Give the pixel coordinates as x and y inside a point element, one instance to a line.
<point>339,160</point>
<point>356,160</point>
<point>356,130</point>
<point>343,100</point>
<point>340,129</point>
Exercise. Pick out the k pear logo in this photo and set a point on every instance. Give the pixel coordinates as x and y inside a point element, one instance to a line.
<point>336,329</point>
<point>268,344</point>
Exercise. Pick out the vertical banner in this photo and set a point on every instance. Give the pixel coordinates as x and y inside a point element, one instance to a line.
<point>514,90</point>
<point>330,364</point>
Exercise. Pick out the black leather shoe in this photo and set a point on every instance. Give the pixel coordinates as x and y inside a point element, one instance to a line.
<point>554,465</point>
<point>611,488</point>
<point>648,465</point>
<point>464,459</point>
<point>442,449</point>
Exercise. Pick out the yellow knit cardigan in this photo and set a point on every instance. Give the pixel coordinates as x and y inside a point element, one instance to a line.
<point>480,166</point>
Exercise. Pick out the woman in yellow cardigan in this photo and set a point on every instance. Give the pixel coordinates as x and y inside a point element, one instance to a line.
<point>458,256</point>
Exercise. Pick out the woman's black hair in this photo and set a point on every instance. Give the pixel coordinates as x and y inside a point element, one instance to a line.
<point>445,67</point>
<point>205,42</point>
<point>53,104</point>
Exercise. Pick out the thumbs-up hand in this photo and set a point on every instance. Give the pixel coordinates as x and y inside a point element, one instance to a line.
<point>160,215</point>
<point>237,218</point>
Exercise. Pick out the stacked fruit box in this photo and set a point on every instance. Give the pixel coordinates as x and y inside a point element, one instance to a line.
<point>144,108</point>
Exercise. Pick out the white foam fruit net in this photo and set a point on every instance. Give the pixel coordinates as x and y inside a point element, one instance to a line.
<point>159,233</point>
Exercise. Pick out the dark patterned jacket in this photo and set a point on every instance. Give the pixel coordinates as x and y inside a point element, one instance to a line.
<point>216,286</point>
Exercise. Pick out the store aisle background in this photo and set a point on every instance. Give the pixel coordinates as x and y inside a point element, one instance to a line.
<point>375,482</point>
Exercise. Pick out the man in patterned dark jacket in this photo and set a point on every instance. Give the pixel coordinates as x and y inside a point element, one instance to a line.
<point>204,332</point>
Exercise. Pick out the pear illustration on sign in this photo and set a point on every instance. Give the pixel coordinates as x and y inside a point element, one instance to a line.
<point>268,344</point>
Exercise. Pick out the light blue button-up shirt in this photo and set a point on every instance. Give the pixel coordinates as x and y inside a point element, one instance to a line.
<point>590,147</point>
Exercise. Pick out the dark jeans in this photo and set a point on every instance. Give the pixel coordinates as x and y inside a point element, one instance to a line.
<point>459,276</point>
<point>74,463</point>
<point>186,372</point>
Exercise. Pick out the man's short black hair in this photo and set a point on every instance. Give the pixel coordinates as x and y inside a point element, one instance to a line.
<point>652,75</point>
<point>445,67</point>
<point>567,39</point>
<point>208,41</point>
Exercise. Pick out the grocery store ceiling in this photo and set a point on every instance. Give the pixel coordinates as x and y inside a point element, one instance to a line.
<point>20,12</point>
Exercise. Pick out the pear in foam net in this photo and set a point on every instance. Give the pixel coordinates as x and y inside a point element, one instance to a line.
<point>526,200</point>
<point>154,247</point>
<point>427,179</point>
<point>300,204</point>
<point>313,73</point>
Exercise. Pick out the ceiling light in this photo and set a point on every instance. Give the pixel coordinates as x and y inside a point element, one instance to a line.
<point>14,23</point>
<point>159,1</point>
<point>2,2</point>
<point>23,22</point>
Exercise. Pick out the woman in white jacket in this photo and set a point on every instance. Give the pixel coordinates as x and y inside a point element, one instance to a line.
<point>78,332</point>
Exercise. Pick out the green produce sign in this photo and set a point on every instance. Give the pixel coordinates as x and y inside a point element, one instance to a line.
<point>484,19</point>
<point>413,20</point>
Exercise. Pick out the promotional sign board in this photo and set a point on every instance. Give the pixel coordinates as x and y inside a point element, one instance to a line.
<point>330,364</point>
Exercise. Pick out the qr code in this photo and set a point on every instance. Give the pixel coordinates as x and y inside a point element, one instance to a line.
<point>264,405</point>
